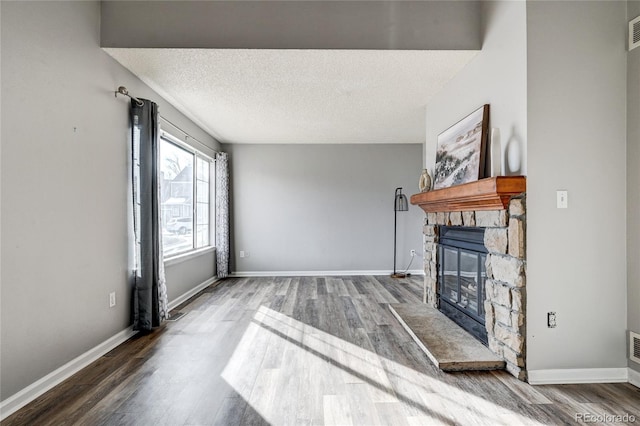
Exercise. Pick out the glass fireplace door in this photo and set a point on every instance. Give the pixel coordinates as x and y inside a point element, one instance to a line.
<point>450,274</point>
<point>469,282</point>
<point>461,281</point>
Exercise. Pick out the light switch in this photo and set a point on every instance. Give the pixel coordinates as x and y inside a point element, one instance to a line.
<point>562,199</point>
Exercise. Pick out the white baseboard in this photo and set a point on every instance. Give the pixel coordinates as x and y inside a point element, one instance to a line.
<point>189,294</point>
<point>34,390</point>
<point>578,375</point>
<point>242,274</point>
<point>634,378</point>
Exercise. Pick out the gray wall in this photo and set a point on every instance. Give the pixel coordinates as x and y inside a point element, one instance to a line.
<point>184,276</point>
<point>577,142</point>
<point>497,76</point>
<point>64,188</point>
<point>434,25</point>
<point>323,207</point>
<point>633,184</point>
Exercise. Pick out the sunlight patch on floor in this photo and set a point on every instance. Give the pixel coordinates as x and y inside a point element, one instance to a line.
<point>292,373</point>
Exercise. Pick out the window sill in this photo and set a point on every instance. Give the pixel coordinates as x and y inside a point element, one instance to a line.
<point>174,260</point>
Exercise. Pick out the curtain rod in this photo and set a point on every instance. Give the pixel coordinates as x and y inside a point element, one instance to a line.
<point>187,135</point>
<point>123,91</point>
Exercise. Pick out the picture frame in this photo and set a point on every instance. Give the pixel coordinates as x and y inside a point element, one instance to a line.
<point>461,150</point>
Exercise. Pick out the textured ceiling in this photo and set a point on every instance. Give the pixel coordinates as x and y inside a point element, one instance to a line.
<point>299,96</point>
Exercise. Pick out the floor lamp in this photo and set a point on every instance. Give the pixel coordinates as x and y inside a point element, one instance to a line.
<point>400,205</point>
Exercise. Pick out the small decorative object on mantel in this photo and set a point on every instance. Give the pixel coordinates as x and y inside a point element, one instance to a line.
<point>425,181</point>
<point>460,154</point>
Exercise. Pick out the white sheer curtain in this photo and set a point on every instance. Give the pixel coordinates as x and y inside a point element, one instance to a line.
<point>222,214</point>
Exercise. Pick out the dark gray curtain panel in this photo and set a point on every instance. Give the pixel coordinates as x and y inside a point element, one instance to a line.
<point>150,292</point>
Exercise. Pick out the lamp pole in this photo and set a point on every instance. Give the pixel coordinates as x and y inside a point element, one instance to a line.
<point>399,204</point>
<point>395,232</point>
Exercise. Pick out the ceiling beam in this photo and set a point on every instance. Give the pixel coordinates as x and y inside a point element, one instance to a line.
<point>379,25</point>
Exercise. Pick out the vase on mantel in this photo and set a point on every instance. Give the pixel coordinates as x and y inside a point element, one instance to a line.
<point>424,184</point>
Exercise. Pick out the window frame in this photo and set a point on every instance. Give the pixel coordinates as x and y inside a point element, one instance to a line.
<point>194,251</point>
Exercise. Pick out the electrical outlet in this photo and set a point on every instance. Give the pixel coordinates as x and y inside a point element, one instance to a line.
<point>246,254</point>
<point>413,252</point>
<point>551,320</point>
<point>241,253</point>
<point>112,299</point>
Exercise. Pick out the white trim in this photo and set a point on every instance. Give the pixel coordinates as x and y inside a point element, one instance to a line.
<point>189,294</point>
<point>183,257</point>
<point>243,274</point>
<point>578,375</point>
<point>634,378</point>
<point>34,390</point>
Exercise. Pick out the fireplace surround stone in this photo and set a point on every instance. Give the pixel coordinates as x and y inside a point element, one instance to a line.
<point>505,288</point>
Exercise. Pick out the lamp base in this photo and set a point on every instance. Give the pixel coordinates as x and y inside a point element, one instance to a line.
<point>399,275</point>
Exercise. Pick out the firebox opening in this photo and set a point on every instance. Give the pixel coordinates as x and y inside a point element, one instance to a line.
<point>461,278</point>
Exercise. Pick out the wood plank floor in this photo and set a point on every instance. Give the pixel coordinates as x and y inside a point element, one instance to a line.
<point>302,351</point>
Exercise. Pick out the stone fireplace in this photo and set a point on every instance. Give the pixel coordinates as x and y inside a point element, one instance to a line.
<point>503,308</point>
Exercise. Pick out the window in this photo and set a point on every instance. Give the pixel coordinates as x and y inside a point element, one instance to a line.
<point>185,194</point>
<point>202,202</point>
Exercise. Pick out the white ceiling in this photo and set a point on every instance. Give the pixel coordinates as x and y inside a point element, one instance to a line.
<point>299,96</point>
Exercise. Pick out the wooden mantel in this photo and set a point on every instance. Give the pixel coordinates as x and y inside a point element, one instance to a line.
<point>485,194</point>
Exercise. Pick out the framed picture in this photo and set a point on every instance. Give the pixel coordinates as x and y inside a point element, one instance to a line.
<point>460,154</point>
